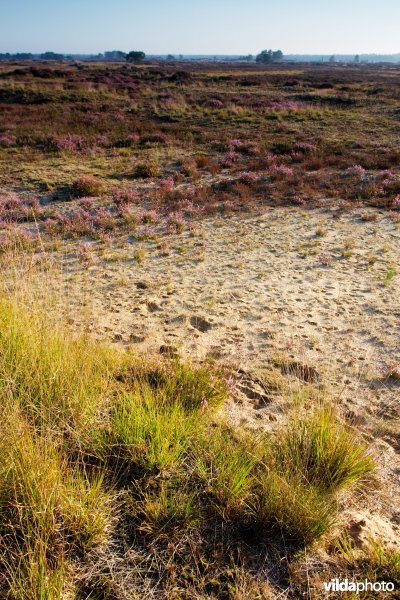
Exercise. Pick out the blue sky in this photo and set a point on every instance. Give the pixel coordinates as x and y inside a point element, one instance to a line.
<point>201,27</point>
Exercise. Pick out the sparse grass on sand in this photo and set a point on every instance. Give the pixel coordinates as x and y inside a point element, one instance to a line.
<point>101,451</point>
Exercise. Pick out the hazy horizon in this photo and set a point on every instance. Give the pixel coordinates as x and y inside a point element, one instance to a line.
<point>206,28</point>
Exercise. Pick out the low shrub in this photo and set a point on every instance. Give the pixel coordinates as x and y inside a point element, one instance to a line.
<point>87,185</point>
<point>147,170</point>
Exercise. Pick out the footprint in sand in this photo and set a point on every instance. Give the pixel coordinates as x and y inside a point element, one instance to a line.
<point>201,324</point>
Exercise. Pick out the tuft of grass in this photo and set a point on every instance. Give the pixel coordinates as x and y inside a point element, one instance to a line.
<point>323,451</point>
<point>57,379</point>
<point>303,469</point>
<point>147,170</point>
<point>389,276</point>
<point>51,514</point>
<point>321,232</point>
<point>149,431</point>
<point>154,423</point>
<point>297,510</point>
<point>171,508</point>
<point>226,465</point>
<point>374,562</point>
<point>139,255</point>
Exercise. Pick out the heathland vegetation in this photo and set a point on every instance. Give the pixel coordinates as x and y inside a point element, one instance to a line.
<point>122,474</point>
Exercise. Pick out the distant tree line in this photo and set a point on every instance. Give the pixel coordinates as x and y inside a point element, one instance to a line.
<point>269,56</point>
<point>30,56</point>
<point>135,56</point>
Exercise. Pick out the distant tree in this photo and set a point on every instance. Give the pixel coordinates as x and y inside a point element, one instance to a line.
<point>51,56</point>
<point>264,57</point>
<point>269,56</point>
<point>115,55</point>
<point>357,58</point>
<point>135,56</point>
<point>23,56</point>
<point>332,59</point>
<point>170,57</point>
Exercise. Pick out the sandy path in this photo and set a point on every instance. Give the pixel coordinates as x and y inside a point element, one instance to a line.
<point>242,289</point>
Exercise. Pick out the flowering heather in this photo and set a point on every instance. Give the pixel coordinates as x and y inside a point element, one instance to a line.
<point>167,184</point>
<point>148,216</point>
<point>175,223</point>
<point>70,143</point>
<point>120,116</point>
<point>356,171</point>
<point>153,138</point>
<point>244,147</point>
<point>86,203</point>
<point>298,200</point>
<point>10,202</point>
<point>146,232</point>
<point>386,175</point>
<point>125,197</point>
<point>85,254</point>
<point>270,157</point>
<point>80,222</point>
<point>190,208</point>
<point>214,103</point>
<point>283,169</point>
<point>7,140</point>
<point>325,258</point>
<point>229,158</point>
<point>102,140</point>
<point>104,220</point>
<point>14,209</point>
<point>396,202</point>
<point>248,178</point>
<point>234,144</point>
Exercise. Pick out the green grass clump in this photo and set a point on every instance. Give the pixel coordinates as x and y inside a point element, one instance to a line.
<point>51,513</point>
<point>57,379</point>
<point>154,423</point>
<point>169,509</point>
<point>305,467</point>
<point>150,432</point>
<point>323,452</point>
<point>374,562</point>
<point>226,465</point>
<point>298,512</point>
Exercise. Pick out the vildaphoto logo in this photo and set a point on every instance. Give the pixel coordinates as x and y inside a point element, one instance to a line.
<point>344,585</point>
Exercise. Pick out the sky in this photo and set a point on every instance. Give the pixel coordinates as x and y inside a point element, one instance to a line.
<point>201,27</point>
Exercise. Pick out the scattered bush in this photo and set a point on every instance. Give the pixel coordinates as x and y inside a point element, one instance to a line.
<point>147,170</point>
<point>87,185</point>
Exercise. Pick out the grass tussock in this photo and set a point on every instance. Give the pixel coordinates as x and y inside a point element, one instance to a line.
<point>102,450</point>
<point>57,379</point>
